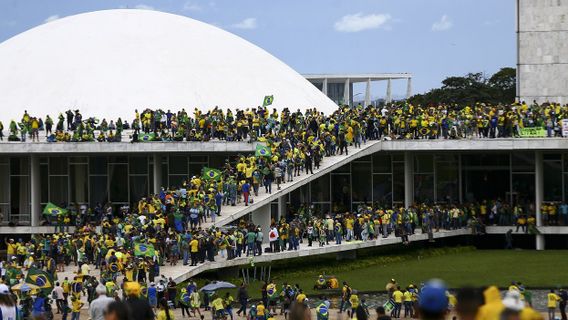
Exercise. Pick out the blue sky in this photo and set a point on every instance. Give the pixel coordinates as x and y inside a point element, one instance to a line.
<point>432,39</point>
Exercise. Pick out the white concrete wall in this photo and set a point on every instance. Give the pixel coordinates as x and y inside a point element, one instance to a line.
<point>543,50</point>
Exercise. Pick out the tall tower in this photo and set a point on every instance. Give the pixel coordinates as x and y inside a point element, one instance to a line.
<point>542,50</point>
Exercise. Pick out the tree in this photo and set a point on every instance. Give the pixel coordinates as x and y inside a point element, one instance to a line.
<point>472,88</point>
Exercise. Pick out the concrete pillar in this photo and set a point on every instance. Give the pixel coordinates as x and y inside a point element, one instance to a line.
<point>324,86</point>
<point>261,217</point>
<point>35,192</point>
<point>408,88</point>
<point>368,93</point>
<point>281,207</point>
<point>157,172</point>
<point>408,179</point>
<point>346,95</point>
<point>388,98</point>
<point>539,196</point>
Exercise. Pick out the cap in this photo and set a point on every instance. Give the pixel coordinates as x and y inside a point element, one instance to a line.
<point>433,296</point>
<point>4,289</point>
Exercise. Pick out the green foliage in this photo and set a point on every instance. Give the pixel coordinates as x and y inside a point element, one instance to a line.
<point>472,88</point>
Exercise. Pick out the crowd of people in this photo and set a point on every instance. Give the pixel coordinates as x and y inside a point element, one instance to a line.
<point>399,120</point>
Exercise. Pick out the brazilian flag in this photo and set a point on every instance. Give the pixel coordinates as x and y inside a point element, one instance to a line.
<point>268,100</point>
<point>146,137</point>
<point>12,274</point>
<point>53,210</point>
<point>144,249</point>
<point>211,174</point>
<point>263,151</point>
<point>41,279</point>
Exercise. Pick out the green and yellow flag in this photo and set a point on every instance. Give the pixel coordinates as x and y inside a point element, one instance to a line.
<point>263,151</point>
<point>211,174</point>
<point>53,210</point>
<point>268,100</point>
<point>144,249</point>
<point>41,279</point>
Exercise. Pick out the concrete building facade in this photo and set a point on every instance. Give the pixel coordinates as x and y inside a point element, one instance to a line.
<point>542,44</point>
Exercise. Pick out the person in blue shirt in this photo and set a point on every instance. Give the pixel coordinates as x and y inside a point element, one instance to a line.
<point>153,295</point>
<point>246,191</point>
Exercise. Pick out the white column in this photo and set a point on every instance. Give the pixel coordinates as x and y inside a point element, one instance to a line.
<point>368,93</point>
<point>281,207</point>
<point>35,194</point>
<point>388,98</point>
<point>261,217</point>
<point>408,179</point>
<point>157,172</point>
<point>324,86</point>
<point>346,96</point>
<point>408,88</point>
<point>539,196</point>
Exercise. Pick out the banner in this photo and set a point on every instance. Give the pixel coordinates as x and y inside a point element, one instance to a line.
<point>565,127</point>
<point>41,279</point>
<point>536,132</point>
<point>143,249</point>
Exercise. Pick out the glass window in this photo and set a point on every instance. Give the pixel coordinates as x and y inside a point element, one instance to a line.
<point>81,160</point>
<point>486,159</point>
<point>98,165</point>
<point>522,162</point>
<point>217,161</point>
<point>423,163</point>
<point>44,182</point>
<point>382,189</point>
<point>523,188</point>
<point>118,186</point>
<point>343,169</point>
<point>98,190</point>
<point>19,166</point>
<point>424,188</point>
<point>178,165</point>
<point>551,156</point>
<point>5,183</point>
<point>299,196</point>
<point>447,176</point>
<point>138,165</point>
<point>20,195</point>
<point>341,191</point>
<point>362,190</point>
<point>398,182</point>
<point>552,180</point>
<point>79,183</point>
<point>200,159</point>
<point>58,190</point>
<point>195,169</point>
<point>118,159</point>
<point>58,165</point>
<point>176,180</point>
<point>138,188</point>
<point>320,189</point>
<point>321,209</point>
<point>382,163</point>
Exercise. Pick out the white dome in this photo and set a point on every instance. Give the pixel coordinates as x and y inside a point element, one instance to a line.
<point>107,63</point>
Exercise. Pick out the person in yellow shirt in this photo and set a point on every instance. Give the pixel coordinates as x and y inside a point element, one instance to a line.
<point>398,298</point>
<point>260,310</point>
<point>407,297</point>
<point>194,249</point>
<point>76,306</point>
<point>552,300</point>
<point>354,301</point>
<point>164,312</point>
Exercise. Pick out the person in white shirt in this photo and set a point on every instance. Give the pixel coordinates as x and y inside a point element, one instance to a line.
<point>98,306</point>
<point>8,307</point>
<point>59,297</point>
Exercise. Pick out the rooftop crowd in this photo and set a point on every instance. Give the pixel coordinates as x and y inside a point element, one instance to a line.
<point>398,120</point>
<point>174,226</point>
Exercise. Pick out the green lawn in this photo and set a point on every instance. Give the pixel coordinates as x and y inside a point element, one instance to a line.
<point>458,267</point>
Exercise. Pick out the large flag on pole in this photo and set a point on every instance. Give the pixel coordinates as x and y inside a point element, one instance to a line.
<point>211,174</point>
<point>41,279</point>
<point>268,100</point>
<point>144,249</point>
<point>263,151</point>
